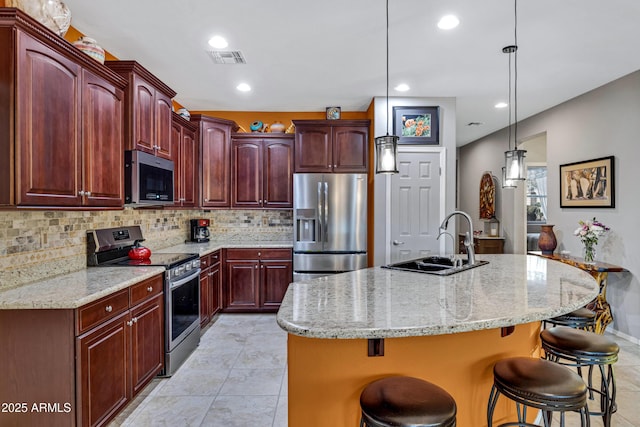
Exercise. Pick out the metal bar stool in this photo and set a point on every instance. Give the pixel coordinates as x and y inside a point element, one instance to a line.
<point>540,384</point>
<point>401,401</point>
<point>582,318</point>
<point>577,348</point>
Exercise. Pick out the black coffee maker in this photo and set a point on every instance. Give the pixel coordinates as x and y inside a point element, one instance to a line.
<point>199,230</point>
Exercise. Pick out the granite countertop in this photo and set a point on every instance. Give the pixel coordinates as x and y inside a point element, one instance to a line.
<point>212,246</point>
<point>75,289</point>
<point>383,303</point>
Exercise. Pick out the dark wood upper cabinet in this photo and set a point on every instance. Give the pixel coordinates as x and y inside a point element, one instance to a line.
<point>185,155</point>
<point>61,121</point>
<point>147,109</point>
<point>214,138</point>
<point>323,146</point>
<point>262,171</point>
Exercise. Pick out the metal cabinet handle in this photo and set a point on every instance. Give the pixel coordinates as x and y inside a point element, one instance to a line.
<point>108,309</point>
<point>259,253</point>
<point>134,320</point>
<point>129,323</point>
<point>87,193</point>
<point>150,289</point>
<point>81,193</point>
<point>397,243</point>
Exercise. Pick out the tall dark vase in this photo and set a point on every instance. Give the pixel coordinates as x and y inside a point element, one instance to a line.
<point>547,240</point>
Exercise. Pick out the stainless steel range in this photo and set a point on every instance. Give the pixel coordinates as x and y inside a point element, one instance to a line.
<point>109,247</point>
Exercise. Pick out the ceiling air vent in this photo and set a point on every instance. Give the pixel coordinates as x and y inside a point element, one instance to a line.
<point>227,56</point>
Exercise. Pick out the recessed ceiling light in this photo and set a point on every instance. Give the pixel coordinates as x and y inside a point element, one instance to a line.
<point>243,87</point>
<point>402,87</point>
<point>448,22</point>
<point>218,42</point>
<point>501,105</point>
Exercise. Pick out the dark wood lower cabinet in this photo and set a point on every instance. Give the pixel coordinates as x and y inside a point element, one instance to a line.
<point>210,287</point>
<point>256,279</point>
<point>81,367</point>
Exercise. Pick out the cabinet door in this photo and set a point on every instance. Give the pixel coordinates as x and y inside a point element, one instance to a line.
<point>189,166</point>
<point>278,173</point>
<point>103,371</point>
<point>48,149</point>
<point>215,277</point>
<point>205,304</point>
<point>215,165</point>
<point>350,152</point>
<point>276,277</point>
<point>246,166</point>
<point>242,282</point>
<point>102,142</point>
<point>313,149</point>
<point>162,124</point>
<point>142,117</point>
<point>147,341</point>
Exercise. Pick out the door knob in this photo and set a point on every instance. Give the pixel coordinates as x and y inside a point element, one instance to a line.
<point>397,243</point>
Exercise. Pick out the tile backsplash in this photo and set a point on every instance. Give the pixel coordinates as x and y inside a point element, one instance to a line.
<point>38,244</point>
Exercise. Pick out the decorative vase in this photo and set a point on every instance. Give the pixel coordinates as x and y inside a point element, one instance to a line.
<point>91,48</point>
<point>589,254</point>
<point>256,126</point>
<point>547,240</point>
<point>277,127</point>
<point>53,14</point>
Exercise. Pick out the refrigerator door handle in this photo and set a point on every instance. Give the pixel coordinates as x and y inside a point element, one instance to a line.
<point>320,213</point>
<point>326,212</point>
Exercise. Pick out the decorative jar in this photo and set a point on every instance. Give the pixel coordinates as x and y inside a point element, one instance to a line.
<point>277,127</point>
<point>53,14</point>
<point>91,48</point>
<point>547,240</point>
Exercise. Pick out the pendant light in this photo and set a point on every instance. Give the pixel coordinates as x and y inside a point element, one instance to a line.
<point>514,159</point>
<point>387,146</point>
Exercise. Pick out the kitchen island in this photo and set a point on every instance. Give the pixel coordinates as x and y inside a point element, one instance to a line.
<point>350,329</point>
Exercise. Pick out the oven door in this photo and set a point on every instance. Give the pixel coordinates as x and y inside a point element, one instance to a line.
<point>183,308</point>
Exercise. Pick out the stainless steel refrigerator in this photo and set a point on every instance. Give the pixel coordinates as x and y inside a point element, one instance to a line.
<point>330,224</point>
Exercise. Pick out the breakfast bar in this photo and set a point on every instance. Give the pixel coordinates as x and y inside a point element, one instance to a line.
<point>349,329</point>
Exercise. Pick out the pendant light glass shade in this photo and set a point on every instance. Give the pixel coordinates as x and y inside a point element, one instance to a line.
<point>507,183</point>
<point>387,146</point>
<point>514,165</point>
<point>387,154</point>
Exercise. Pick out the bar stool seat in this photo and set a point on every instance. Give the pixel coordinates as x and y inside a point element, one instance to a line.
<point>402,401</point>
<point>578,348</point>
<point>582,318</point>
<point>540,384</point>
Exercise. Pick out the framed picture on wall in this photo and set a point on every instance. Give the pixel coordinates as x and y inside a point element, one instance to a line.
<point>588,184</point>
<point>417,125</point>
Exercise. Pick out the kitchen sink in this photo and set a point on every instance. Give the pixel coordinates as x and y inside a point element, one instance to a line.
<point>441,266</point>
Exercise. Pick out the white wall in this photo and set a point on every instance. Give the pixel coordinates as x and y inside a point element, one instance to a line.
<point>447,140</point>
<point>600,123</point>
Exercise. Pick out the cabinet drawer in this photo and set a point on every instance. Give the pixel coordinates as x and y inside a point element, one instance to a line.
<point>146,289</point>
<point>259,253</point>
<point>276,253</point>
<point>105,308</point>
<point>210,259</point>
<point>215,257</point>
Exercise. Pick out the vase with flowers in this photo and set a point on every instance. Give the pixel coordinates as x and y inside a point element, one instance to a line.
<point>589,232</point>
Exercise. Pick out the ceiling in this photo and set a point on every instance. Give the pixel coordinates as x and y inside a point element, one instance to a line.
<point>307,55</point>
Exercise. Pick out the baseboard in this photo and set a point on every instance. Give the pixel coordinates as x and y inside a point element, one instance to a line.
<point>629,338</point>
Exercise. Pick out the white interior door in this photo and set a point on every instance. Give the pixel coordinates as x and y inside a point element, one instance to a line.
<point>417,204</point>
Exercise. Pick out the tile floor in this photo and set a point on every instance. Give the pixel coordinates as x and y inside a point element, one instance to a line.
<point>237,377</point>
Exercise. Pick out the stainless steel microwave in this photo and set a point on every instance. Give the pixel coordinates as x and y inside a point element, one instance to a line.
<point>148,179</point>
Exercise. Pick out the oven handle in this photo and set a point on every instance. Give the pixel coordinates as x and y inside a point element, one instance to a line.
<point>181,282</point>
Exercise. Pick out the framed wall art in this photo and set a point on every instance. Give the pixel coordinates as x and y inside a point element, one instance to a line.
<point>588,184</point>
<point>417,125</point>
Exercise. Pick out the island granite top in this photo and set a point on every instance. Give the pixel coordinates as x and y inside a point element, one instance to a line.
<point>383,303</point>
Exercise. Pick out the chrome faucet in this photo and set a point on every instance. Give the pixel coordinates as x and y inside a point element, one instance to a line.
<point>468,242</point>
